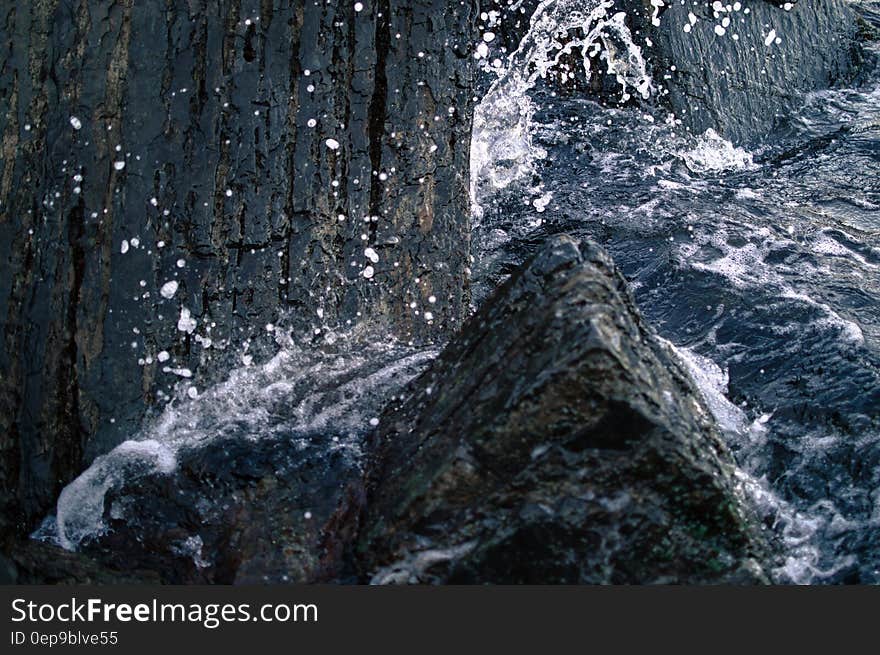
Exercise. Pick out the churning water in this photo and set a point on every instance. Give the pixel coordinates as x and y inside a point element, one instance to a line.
<point>762,266</point>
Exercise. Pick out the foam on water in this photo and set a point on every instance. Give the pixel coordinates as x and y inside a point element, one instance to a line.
<point>712,153</point>
<point>712,382</point>
<point>748,266</point>
<point>341,384</point>
<point>799,530</point>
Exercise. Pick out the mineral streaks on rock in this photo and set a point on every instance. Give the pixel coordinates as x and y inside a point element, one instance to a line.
<point>186,145</point>
<point>556,440</point>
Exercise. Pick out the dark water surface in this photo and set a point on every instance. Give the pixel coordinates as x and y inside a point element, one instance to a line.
<point>762,266</point>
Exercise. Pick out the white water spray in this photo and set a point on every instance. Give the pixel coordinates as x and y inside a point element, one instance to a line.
<point>341,386</point>
<point>502,151</point>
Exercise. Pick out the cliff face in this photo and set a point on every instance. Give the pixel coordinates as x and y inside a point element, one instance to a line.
<point>248,152</point>
<point>742,78</point>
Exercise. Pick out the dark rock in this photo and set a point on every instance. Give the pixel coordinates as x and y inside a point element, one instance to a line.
<point>39,563</point>
<point>556,440</point>
<point>744,88</point>
<point>740,87</point>
<point>260,482</point>
<point>238,511</point>
<point>210,107</point>
<point>203,98</point>
<point>8,571</point>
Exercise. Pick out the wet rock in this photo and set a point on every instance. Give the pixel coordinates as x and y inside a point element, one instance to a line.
<point>248,151</point>
<point>238,511</point>
<point>32,562</point>
<point>745,77</point>
<point>740,72</point>
<point>259,482</point>
<point>555,440</point>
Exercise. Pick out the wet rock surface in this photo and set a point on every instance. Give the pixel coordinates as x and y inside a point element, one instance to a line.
<point>32,562</point>
<point>555,440</point>
<point>744,87</point>
<point>248,152</point>
<point>233,512</point>
<point>238,511</point>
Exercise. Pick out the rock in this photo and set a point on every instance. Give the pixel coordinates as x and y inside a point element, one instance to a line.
<point>235,149</point>
<point>555,440</point>
<point>8,571</point>
<point>258,482</point>
<point>238,511</point>
<point>745,87</point>
<point>39,563</point>
<point>186,141</point>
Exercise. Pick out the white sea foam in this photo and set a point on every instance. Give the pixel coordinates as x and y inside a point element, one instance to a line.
<point>502,149</point>
<point>341,386</point>
<point>712,154</point>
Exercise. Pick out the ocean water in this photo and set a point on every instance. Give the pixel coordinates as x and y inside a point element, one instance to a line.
<point>759,265</point>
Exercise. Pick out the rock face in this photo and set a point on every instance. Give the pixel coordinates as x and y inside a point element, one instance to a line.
<point>32,562</point>
<point>556,440</point>
<point>264,157</point>
<point>744,88</point>
<point>274,511</point>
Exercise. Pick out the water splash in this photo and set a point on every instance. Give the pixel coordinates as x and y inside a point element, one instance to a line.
<point>502,150</point>
<point>801,531</point>
<point>712,153</point>
<point>341,385</point>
